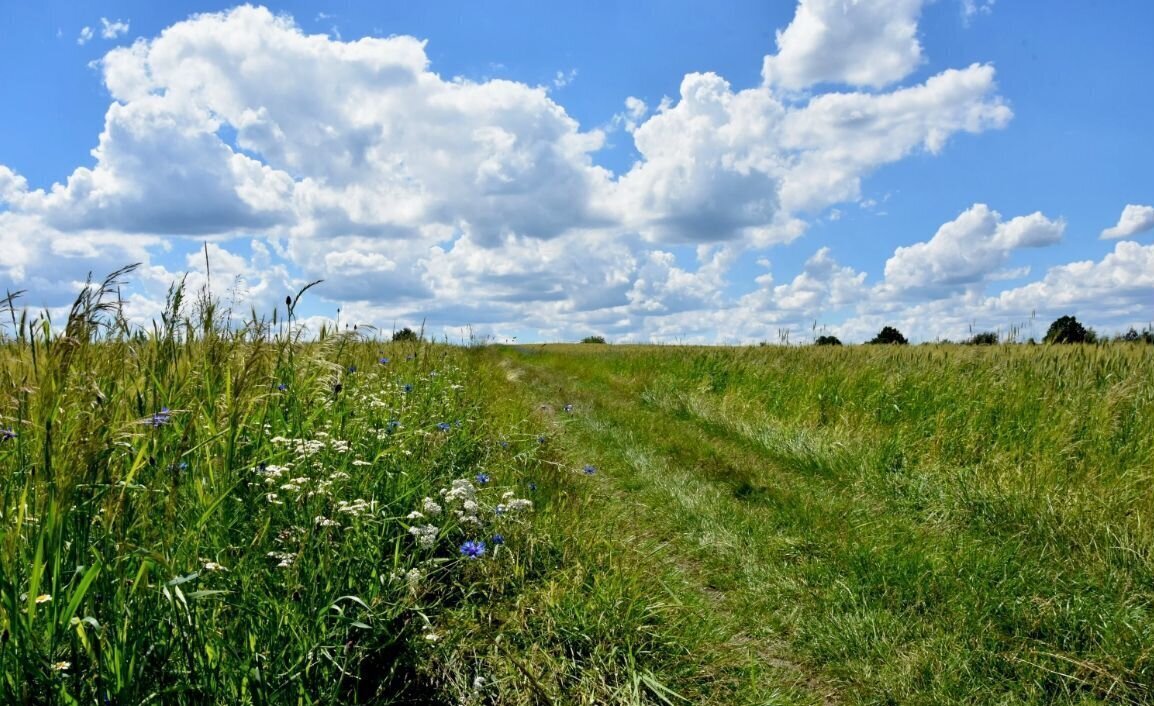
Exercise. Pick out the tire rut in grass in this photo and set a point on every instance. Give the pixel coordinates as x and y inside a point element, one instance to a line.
<point>729,468</point>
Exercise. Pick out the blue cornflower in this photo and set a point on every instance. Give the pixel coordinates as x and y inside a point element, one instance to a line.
<point>160,418</point>
<point>407,387</point>
<point>541,439</point>
<point>532,487</point>
<point>282,387</point>
<point>444,426</point>
<point>482,478</point>
<point>352,369</point>
<point>504,444</point>
<point>590,470</point>
<point>498,539</point>
<point>6,434</point>
<point>383,361</point>
<point>474,549</point>
<point>392,426</point>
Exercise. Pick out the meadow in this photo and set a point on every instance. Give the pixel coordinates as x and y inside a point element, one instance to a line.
<point>207,512</point>
<point>883,524</point>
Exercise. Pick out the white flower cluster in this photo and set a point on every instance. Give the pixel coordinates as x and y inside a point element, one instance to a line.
<point>413,579</point>
<point>426,535</point>
<point>285,559</point>
<point>430,508</point>
<point>271,473</point>
<point>356,507</point>
<point>461,489</point>
<point>511,503</point>
<point>311,447</point>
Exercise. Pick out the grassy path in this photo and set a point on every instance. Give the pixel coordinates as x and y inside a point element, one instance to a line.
<point>818,564</point>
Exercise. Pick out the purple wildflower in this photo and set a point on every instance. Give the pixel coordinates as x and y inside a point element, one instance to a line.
<point>159,419</point>
<point>474,549</point>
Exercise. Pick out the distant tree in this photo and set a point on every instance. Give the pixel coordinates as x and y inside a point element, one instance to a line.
<point>985,338</point>
<point>827,341</point>
<point>1134,336</point>
<point>406,334</point>
<point>889,334</point>
<point>1066,329</point>
<point>593,339</point>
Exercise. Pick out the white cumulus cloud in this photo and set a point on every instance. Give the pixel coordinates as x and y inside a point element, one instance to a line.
<point>967,251</point>
<point>1134,219</point>
<point>857,42</point>
<point>420,197</point>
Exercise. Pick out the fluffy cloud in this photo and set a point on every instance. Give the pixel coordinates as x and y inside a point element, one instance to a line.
<point>1116,287</point>
<point>967,251</point>
<point>1134,219</point>
<point>238,121</point>
<point>710,165</point>
<point>822,288</point>
<point>724,165</point>
<point>841,137</point>
<point>857,42</point>
<point>423,198</point>
<point>111,29</point>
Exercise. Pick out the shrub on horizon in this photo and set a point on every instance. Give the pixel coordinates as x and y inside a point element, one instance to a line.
<point>593,339</point>
<point>827,341</point>
<point>889,334</point>
<point>1066,329</point>
<point>406,334</point>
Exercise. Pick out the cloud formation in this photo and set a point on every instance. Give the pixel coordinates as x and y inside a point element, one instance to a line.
<point>969,250</point>
<point>419,197</point>
<point>1135,219</point>
<point>870,43</point>
<point>111,29</point>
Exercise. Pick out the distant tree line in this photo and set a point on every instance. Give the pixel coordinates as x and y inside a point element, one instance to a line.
<point>1065,329</point>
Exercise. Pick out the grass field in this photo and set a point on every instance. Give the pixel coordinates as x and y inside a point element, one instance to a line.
<point>939,524</point>
<point>204,514</point>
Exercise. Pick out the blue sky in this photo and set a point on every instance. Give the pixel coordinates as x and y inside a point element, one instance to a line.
<point>643,171</point>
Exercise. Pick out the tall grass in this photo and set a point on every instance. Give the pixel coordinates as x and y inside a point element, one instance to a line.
<point>213,512</point>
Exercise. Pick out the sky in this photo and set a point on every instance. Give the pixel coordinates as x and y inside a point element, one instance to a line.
<point>672,172</point>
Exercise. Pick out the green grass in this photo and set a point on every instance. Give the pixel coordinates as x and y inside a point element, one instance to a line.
<point>886,524</point>
<point>212,514</point>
